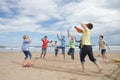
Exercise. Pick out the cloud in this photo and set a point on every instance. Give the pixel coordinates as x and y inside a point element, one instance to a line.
<point>51,16</point>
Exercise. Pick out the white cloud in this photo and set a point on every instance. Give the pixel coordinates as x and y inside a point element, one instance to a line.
<point>29,14</point>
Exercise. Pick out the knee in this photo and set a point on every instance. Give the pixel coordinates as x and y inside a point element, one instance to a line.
<point>26,57</point>
<point>93,60</point>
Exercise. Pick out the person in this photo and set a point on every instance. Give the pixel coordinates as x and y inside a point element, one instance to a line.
<point>45,42</point>
<point>61,38</point>
<point>56,49</point>
<point>102,47</point>
<point>80,45</point>
<point>25,49</point>
<point>87,48</point>
<point>71,50</point>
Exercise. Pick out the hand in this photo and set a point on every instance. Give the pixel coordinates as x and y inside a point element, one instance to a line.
<point>75,27</point>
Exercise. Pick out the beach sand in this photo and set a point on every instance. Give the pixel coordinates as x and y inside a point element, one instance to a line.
<point>55,68</point>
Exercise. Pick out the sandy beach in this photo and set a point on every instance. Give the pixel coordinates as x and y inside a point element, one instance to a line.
<point>55,68</point>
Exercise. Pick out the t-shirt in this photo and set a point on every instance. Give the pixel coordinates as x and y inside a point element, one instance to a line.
<point>45,43</point>
<point>25,46</point>
<point>62,40</point>
<point>71,43</point>
<point>102,44</point>
<point>55,45</point>
<point>86,37</point>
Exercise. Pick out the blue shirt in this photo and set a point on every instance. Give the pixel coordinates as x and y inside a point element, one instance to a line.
<point>62,40</point>
<point>25,46</point>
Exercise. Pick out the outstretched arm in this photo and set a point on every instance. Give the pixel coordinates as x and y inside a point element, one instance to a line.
<point>50,41</point>
<point>107,46</point>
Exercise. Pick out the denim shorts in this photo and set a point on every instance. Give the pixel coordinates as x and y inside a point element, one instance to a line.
<point>103,51</point>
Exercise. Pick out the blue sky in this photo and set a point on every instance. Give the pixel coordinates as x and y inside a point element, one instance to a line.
<point>38,18</point>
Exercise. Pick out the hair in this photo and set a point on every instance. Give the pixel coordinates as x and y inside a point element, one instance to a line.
<point>25,37</point>
<point>90,26</point>
<point>45,36</point>
<point>101,36</point>
<point>55,41</point>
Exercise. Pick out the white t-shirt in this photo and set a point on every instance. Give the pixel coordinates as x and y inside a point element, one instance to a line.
<point>102,44</point>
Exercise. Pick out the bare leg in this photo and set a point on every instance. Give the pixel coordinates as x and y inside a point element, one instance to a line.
<point>44,55</point>
<point>99,67</point>
<point>41,55</point>
<point>83,67</point>
<point>64,56</point>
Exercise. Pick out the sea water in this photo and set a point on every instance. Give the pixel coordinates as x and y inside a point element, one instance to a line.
<point>51,49</point>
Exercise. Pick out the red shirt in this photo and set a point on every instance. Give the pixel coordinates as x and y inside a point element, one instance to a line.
<point>45,43</point>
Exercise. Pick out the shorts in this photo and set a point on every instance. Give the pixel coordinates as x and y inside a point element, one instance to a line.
<point>103,51</point>
<point>63,49</point>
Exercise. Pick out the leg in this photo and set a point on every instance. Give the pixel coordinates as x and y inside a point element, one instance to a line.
<point>56,52</point>
<point>72,53</point>
<point>98,66</point>
<point>30,56</point>
<point>69,51</point>
<point>82,58</point>
<point>91,57</point>
<point>26,56</point>
<point>63,52</point>
<point>103,54</point>
<point>44,52</point>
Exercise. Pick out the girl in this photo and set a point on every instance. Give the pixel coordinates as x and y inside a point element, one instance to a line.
<point>25,49</point>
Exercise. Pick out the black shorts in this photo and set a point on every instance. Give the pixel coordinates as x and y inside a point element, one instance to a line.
<point>87,50</point>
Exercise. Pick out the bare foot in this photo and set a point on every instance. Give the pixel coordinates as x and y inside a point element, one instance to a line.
<point>100,70</point>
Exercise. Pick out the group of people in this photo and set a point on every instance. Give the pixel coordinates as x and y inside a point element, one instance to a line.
<point>85,46</point>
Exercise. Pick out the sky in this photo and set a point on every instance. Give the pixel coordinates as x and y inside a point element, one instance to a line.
<point>37,18</point>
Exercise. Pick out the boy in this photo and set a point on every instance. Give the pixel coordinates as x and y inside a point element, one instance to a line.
<point>102,47</point>
<point>44,46</point>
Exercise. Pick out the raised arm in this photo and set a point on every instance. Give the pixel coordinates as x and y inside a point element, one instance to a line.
<point>69,35</point>
<point>84,26</point>
<point>58,37</point>
<point>42,39</point>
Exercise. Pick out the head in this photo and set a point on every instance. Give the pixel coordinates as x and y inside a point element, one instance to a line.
<point>89,25</point>
<point>25,37</point>
<point>100,37</point>
<point>55,41</point>
<point>72,37</point>
<point>45,37</point>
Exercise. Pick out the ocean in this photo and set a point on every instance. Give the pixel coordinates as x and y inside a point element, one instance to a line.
<point>51,49</point>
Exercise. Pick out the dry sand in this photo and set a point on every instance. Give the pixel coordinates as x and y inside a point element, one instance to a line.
<point>55,68</point>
